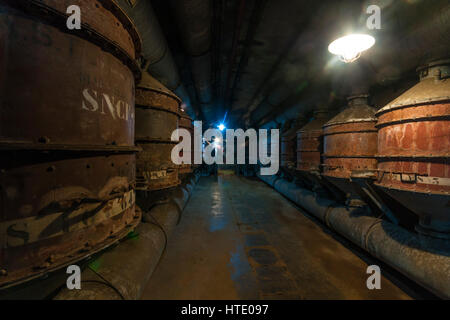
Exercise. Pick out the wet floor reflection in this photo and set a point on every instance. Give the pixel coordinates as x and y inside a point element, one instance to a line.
<point>239,239</point>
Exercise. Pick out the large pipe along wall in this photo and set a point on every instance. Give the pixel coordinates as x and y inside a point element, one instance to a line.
<point>123,272</point>
<point>380,178</point>
<point>423,259</point>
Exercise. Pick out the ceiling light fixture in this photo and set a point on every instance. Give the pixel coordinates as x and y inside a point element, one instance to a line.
<point>349,48</point>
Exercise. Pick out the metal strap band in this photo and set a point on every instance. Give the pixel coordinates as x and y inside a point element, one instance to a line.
<point>29,230</point>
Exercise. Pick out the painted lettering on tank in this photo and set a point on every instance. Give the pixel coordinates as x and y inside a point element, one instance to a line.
<point>89,100</point>
<point>107,105</point>
<point>155,175</point>
<point>17,235</point>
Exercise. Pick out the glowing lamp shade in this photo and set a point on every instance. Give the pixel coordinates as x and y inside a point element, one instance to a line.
<point>349,48</point>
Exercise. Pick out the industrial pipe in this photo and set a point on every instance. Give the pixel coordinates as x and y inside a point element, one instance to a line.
<point>423,259</point>
<point>107,278</point>
<point>274,99</point>
<point>194,19</point>
<point>155,50</point>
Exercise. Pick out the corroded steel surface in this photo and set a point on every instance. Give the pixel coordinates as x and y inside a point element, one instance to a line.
<point>310,144</point>
<point>154,125</point>
<point>309,150</point>
<point>67,168</point>
<point>103,17</point>
<point>56,209</point>
<point>80,94</point>
<point>289,144</point>
<point>106,18</point>
<point>156,111</point>
<point>350,146</point>
<point>152,93</point>
<point>157,116</point>
<point>154,167</point>
<point>350,142</point>
<point>413,148</point>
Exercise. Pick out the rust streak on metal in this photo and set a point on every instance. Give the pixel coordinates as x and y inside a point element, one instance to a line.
<point>92,100</point>
<point>350,142</point>
<point>67,163</point>
<point>310,143</point>
<point>413,149</point>
<point>350,146</point>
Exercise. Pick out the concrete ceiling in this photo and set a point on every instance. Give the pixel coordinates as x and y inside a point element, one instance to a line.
<point>267,60</point>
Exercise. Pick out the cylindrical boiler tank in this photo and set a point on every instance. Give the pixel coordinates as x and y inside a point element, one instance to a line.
<point>289,144</point>
<point>67,163</point>
<point>157,114</point>
<point>350,147</point>
<point>76,90</point>
<point>413,149</point>
<point>310,149</point>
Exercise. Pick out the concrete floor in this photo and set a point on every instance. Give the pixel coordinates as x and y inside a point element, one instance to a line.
<point>239,239</point>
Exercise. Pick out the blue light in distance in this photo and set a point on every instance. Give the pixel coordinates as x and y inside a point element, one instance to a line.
<point>221,127</point>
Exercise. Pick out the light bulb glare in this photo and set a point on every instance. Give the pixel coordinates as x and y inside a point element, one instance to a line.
<point>350,47</point>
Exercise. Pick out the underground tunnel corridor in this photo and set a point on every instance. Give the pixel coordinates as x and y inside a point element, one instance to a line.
<point>240,239</point>
<point>201,150</point>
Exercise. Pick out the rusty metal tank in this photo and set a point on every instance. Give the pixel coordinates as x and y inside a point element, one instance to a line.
<point>310,143</point>
<point>289,144</point>
<point>185,122</point>
<point>67,162</point>
<point>310,149</point>
<point>414,149</point>
<point>350,147</point>
<point>157,114</point>
<point>64,89</point>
